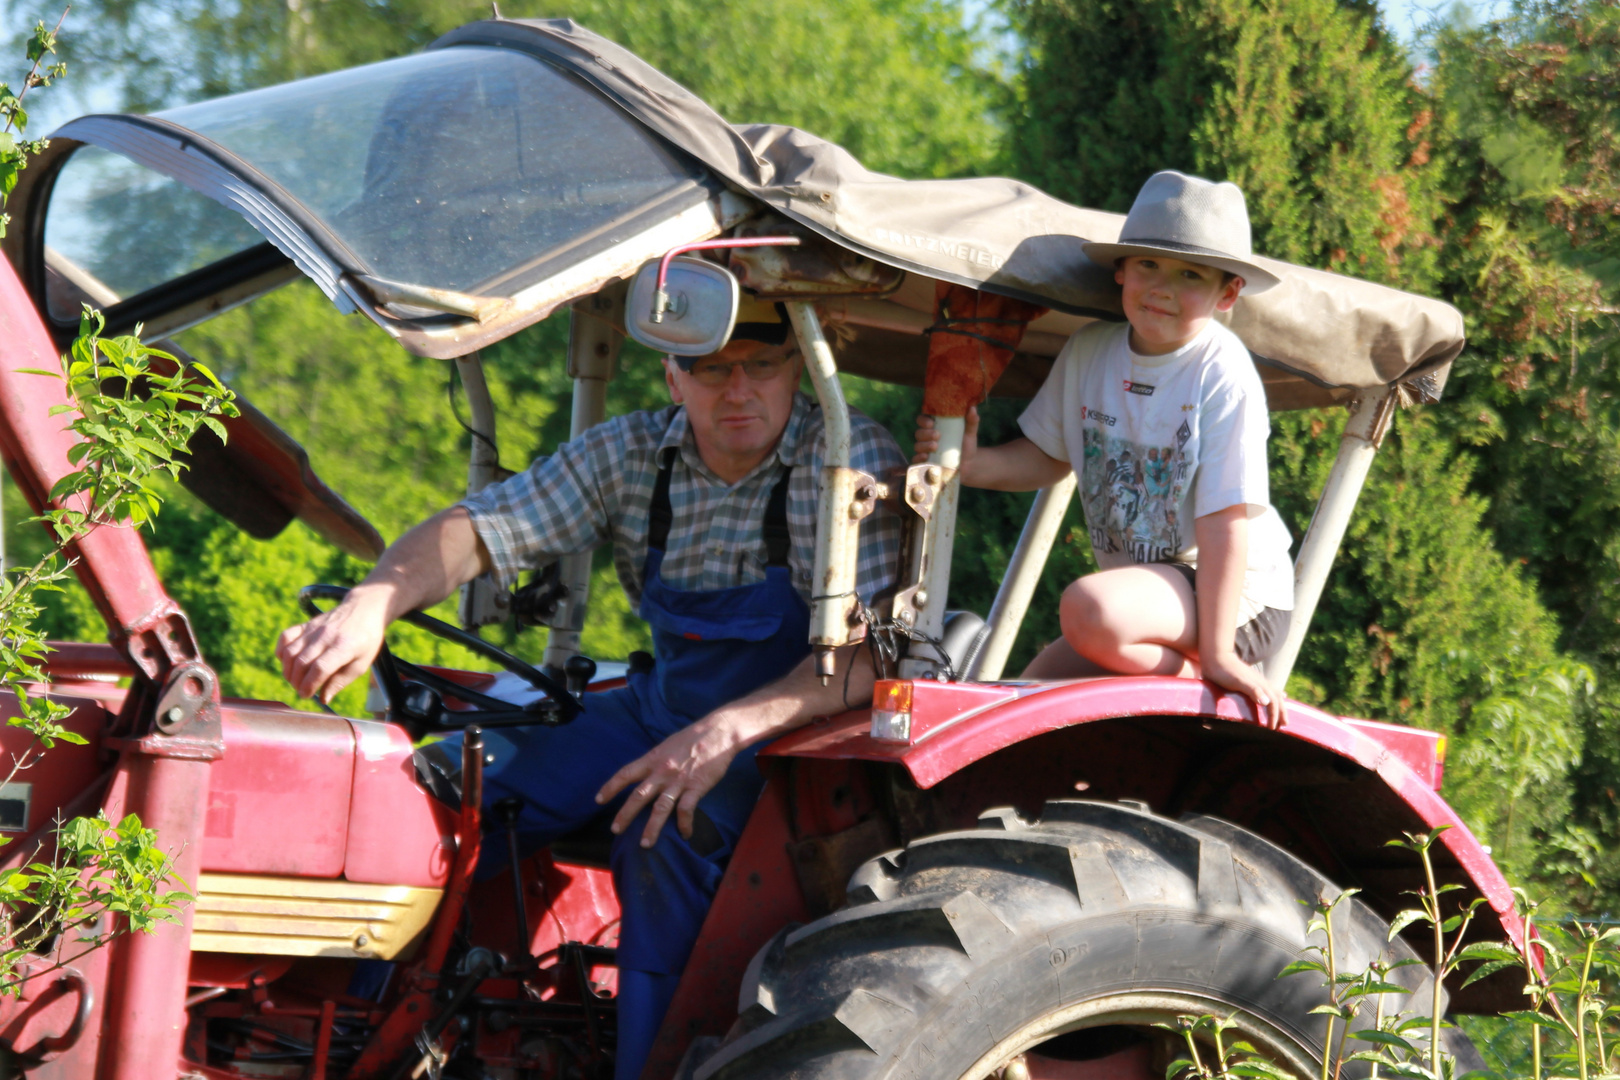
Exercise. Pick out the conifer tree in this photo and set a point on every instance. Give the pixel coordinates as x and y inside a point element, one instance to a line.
<point>1308,107</point>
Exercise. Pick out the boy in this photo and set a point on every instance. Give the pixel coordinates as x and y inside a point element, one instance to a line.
<point>1167,418</point>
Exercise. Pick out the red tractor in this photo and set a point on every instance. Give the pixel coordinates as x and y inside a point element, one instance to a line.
<point>973,877</point>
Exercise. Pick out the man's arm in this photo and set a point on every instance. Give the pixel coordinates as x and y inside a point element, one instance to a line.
<point>424,566</point>
<point>683,768</point>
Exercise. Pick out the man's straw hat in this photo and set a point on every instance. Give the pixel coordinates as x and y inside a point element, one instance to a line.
<point>1192,219</point>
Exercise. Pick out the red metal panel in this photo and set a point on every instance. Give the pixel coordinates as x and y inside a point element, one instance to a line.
<point>279,799</point>
<point>582,906</point>
<point>398,833</point>
<point>954,744</point>
<point>1423,751</point>
<point>58,777</point>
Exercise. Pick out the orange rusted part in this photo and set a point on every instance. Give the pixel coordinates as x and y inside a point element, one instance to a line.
<point>963,364</point>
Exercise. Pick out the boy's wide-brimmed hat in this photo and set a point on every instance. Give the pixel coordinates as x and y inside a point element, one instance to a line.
<point>1192,219</point>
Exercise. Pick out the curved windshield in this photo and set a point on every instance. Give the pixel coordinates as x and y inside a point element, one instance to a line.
<point>458,169</point>
<point>116,229</point>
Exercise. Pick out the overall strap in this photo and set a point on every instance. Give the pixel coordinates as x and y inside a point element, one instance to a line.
<point>778,541</point>
<point>659,516</point>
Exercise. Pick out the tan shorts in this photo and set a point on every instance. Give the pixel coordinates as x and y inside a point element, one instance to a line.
<point>1256,639</point>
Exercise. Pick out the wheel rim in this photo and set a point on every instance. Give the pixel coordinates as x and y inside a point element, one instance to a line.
<point>1142,1009</point>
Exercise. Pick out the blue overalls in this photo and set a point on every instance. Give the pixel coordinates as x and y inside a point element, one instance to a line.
<point>712,648</point>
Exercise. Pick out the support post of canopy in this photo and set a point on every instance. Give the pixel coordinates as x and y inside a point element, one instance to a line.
<point>931,558</point>
<point>481,602</point>
<point>593,349</point>
<point>1364,432</point>
<point>838,516</point>
<point>1023,574</point>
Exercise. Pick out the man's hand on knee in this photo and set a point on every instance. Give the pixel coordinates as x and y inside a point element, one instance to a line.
<point>321,657</point>
<point>671,777</point>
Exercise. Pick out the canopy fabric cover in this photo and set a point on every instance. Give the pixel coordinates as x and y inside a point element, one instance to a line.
<point>997,234</point>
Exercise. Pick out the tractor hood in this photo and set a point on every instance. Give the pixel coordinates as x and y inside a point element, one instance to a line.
<point>460,194</point>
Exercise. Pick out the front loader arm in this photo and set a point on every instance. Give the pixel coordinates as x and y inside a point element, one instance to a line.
<point>169,731</point>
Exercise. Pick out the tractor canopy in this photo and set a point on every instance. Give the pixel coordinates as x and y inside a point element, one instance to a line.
<point>458,195</point>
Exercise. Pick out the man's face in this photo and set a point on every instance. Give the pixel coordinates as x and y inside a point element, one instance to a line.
<point>738,401</point>
<point>1169,302</point>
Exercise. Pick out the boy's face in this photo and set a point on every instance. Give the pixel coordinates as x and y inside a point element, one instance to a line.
<point>1169,302</point>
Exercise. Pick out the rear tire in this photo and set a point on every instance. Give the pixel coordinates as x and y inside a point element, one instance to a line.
<point>966,949</point>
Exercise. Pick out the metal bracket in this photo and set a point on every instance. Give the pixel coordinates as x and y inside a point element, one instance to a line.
<point>185,723</point>
<point>923,485</point>
<point>922,488</point>
<point>859,493</point>
<point>191,689</point>
<point>868,493</point>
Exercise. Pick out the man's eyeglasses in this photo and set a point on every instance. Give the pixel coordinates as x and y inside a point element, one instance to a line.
<point>759,369</point>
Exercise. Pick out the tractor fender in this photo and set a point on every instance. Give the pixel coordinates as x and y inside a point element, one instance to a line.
<point>954,726</point>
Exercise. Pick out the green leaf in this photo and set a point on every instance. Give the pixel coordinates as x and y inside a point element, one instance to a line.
<point>1383,1038</point>
<point>1299,966</point>
<point>1378,988</point>
<point>1405,919</point>
<point>1486,970</point>
<point>1487,950</point>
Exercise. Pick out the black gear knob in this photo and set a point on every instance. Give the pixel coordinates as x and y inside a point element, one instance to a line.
<point>579,671</point>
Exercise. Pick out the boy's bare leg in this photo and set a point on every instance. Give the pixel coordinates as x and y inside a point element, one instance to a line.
<point>1059,661</point>
<point>1138,620</point>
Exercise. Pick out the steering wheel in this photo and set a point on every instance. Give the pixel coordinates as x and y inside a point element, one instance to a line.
<point>416,695</point>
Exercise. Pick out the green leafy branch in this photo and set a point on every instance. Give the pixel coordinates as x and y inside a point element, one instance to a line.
<point>134,409</point>
<point>14,150</point>
<point>1571,1020</point>
<point>1232,1059</point>
<point>99,872</point>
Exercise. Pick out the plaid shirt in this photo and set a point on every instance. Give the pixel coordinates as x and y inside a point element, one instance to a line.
<point>598,487</point>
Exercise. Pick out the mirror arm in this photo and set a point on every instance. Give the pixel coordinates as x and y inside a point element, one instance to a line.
<point>661,298</point>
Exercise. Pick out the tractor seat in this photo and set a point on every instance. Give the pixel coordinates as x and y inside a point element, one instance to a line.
<point>964,637</point>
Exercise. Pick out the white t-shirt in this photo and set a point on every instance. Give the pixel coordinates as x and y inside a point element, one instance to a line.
<point>1162,440</point>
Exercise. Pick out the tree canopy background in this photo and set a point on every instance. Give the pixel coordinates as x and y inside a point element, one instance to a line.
<point>1478,591</point>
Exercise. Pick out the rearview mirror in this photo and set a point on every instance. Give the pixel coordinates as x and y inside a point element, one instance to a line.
<point>699,310</point>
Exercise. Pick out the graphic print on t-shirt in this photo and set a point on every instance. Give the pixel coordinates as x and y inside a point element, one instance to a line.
<point>1131,493</point>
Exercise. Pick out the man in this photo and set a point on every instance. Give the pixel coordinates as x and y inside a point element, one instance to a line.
<point>710,506</point>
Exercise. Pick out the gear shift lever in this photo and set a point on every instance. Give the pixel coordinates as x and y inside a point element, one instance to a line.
<point>579,670</point>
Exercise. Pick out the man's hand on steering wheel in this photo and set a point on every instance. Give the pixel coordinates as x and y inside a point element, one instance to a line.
<point>331,650</point>
<point>671,777</point>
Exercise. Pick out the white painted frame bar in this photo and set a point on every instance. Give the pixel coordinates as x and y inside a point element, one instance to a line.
<point>1023,574</point>
<point>593,350</point>
<point>837,530</point>
<point>1364,432</point>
